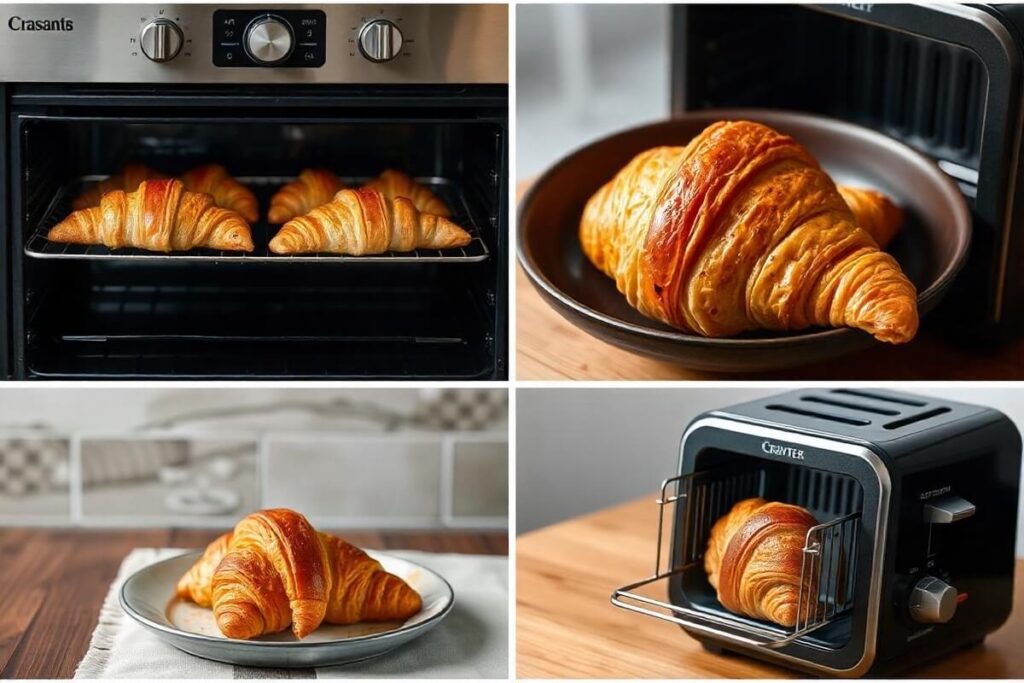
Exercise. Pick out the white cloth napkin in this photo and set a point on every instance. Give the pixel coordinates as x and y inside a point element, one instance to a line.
<point>471,642</point>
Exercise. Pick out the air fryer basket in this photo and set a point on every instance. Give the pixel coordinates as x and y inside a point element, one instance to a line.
<point>829,562</point>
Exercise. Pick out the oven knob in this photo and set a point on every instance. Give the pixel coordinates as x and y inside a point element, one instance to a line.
<point>161,40</point>
<point>932,601</point>
<point>268,39</point>
<point>380,41</point>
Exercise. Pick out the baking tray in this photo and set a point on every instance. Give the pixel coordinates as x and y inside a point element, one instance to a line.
<point>263,187</point>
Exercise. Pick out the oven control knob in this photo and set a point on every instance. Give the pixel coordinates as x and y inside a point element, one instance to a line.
<point>380,40</point>
<point>932,601</point>
<point>161,40</point>
<point>268,39</point>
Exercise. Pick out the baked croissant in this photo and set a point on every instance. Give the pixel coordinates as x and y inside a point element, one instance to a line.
<point>742,230</point>
<point>159,216</point>
<point>313,187</point>
<point>274,570</point>
<point>227,192</point>
<point>127,179</point>
<point>874,212</point>
<point>754,559</point>
<point>364,221</point>
<point>394,184</point>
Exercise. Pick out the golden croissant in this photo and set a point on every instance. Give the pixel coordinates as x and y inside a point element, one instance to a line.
<point>364,221</point>
<point>227,192</point>
<point>313,187</point>
<point>127,179</point>
<point>159,216</point>
<point>754,559</point>
<point>274,570</point>
<point>742,230</point>
<point>394,184</point>
<point>874,213</point>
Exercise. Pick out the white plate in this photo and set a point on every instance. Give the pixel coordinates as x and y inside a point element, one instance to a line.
<point>148,596</point>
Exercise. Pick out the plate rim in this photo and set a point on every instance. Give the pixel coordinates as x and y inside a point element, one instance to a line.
<point>926,298</point>
<point>260,644</point>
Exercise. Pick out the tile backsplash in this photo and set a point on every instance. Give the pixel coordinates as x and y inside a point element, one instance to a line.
<point>414,459</point>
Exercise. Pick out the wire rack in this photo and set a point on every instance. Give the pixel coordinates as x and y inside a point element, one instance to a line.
<point>827,572</point>
<point>263,187</point>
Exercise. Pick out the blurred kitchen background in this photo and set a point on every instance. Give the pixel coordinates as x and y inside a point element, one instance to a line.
<point>582,450</point>
<point>429,459</point>
<point>584,71</point>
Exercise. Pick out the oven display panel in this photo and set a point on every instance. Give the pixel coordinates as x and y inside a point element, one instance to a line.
<point>276,38</point>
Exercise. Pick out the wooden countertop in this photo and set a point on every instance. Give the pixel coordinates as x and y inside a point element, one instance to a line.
<point>548,347</point>
<point>54,581</point>
<point>566,628</point>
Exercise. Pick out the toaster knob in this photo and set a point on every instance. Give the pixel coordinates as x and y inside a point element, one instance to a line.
<point>932,601</point>
<point>380,41</point>
<point>161,40</point>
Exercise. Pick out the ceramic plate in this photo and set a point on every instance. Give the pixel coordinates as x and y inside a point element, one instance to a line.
<point>148,597</point>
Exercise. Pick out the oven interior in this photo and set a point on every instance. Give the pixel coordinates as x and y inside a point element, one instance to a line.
<point>91,313</point>
<point>722,478</point>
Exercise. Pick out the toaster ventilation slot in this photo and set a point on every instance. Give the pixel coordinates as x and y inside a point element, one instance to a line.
<point>856,422</point>
<point>902,400</point>
<point>828,558</point>
<point>849,405</point>
<point>911,419</point>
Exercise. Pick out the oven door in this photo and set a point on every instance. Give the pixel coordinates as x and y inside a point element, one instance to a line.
<point>91,312</point>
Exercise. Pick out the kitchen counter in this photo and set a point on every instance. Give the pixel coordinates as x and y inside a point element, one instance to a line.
<point>54,581</point>
<point>566,628</point>
<point>548,347</point>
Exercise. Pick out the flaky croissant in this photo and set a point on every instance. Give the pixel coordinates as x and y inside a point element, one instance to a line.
<point>274,570</point>
<point>127,179</point>
<point>741,230</point>
<point>363,221</point>
<point>394,184</point>
<point>159,216</point>
<point>754,558</point>
<point>227,192</point>
<point>874,212</point>
<point>313,187</point>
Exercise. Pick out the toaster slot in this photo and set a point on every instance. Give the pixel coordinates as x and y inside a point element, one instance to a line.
<point>828,561</point>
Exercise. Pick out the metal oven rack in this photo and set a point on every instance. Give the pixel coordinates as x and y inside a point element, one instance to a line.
<point>827,573</point>
<point>38,246</point>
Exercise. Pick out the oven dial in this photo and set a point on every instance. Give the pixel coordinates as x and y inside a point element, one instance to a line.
<point>933,601</point>
<point>380,41</point>
<point>160,40</point>
<point>268,39</point>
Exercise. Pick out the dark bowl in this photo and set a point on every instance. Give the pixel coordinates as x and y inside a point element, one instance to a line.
<point>931,247</point>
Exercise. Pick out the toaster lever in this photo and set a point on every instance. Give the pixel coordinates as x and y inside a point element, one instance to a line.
<point>947,510</point>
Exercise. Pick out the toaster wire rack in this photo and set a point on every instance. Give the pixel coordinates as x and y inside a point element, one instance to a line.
<point>827,573</point>
<point>263,187</point>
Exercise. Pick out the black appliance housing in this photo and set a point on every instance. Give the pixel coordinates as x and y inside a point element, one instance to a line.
<point>945,79</point>
<point>887,461</point>
<point>437,110</point>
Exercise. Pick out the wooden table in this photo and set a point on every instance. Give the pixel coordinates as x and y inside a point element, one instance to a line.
<point>548,347</point>
<point>566,628</point>
<point>52,583</point>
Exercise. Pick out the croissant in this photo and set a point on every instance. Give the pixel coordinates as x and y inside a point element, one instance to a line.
<point>275,570</point>
<point>742,230</point>
<point>312,188</point>
<point>364,221</point>
<point>394,184</point>
<point>874,212</point>
<point>159,216</point>
<point>754,558</point>
<point>227,192</point>
<point>127,179</point>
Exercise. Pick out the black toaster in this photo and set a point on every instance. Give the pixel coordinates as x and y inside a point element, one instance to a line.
<point>913,556</point>
<point>945,79</point>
